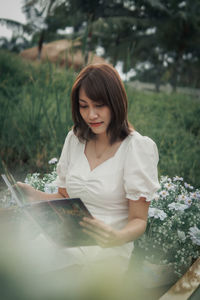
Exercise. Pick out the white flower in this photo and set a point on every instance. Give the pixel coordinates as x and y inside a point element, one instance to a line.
<point>177,178</point>
<point>188,201</point>
<point>195,195</point>
<point>185,198</point>
<point>50,188</point>
<point>189,186</point>
<point>181,235</point>
<point>156,197</point>
<point>164,194</point>
<point>53,161</point>
<point>177,206</point>
<point>157,213</point>
<point>194,233</point>
<point>182,197</point>
<point>169,186</point>
<point>164,179</point>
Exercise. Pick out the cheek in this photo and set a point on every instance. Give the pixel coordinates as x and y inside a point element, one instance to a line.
<point>82,113</point>
<point>108,114</point>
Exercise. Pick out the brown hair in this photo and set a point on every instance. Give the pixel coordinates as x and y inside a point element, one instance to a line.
<point>101,83</point>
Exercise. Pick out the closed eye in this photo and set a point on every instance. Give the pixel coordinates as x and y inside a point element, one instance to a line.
<point>100,105</point>
<point>96,105</point>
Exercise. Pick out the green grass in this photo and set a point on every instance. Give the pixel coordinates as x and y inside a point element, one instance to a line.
<point>173,122</point>
<point>35,117</point>
<point>35,113</point>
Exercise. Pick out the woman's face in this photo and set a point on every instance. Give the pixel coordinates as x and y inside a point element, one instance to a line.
<point>95,114</point>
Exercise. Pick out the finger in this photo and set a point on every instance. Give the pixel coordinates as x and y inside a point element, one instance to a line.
<point>97,224</point>
<point>92,221</point>
<point>19,183</point>
<point>18,187</point>
<point>23,185</point>
<point>99,231</point>
<point>100,241</point>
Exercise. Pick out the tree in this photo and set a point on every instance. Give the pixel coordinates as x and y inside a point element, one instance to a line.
<point>90,20</point>
<point>176,40</point>
<point>165,34</point>
<point>37,13</point>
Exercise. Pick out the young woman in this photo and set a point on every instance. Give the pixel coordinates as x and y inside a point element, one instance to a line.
<point>108,164</point>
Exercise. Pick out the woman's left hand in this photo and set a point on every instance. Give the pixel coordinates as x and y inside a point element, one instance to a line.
<point>104,234</point>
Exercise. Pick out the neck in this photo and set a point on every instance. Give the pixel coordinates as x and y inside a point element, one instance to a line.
<point>101,146</point>
<point>103,139</point>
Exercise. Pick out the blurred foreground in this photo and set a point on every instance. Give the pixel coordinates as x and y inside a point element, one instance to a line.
<point>25,271</point>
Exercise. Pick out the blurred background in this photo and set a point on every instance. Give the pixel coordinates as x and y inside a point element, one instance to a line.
<point>155,46</point>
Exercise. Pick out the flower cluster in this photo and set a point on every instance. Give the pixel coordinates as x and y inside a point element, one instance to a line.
<point>173,230</point>
<point>40,182</point>
<point>44,183</point>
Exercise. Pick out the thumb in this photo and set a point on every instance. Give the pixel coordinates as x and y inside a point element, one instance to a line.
<point>22,184</point>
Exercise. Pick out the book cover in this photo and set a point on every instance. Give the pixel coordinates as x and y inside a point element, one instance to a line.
<point>59,220</point>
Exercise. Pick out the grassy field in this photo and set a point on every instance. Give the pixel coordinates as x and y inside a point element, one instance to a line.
<point>35,118</point>
<point>173,122</point>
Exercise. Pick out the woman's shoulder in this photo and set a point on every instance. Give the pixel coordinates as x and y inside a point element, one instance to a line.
<point>71,137</point>
<point>71,141</point>
<point>140,146</point>
<point>141,149</point>
<point>137,139</point>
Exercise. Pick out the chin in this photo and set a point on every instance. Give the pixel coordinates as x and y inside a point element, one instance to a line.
<point>98,130</point>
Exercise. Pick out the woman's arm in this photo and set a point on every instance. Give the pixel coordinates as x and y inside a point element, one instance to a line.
<point>36,195</point>
<point>137,220</point>
<point>106,236</point>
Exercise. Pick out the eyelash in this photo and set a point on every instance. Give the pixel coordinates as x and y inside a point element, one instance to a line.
<point>85,106</point>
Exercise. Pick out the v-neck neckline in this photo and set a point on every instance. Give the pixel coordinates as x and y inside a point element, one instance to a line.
<point>106,160</point>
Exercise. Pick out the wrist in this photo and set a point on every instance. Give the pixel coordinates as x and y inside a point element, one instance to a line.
<point>122,239</point>
<point>125,236</point>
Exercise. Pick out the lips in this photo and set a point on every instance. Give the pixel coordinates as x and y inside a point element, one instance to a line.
<point>97,124</point>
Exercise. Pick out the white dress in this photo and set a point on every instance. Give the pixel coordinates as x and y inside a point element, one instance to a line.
<point>130,174</point>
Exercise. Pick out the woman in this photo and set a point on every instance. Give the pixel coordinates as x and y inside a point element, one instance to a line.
<point>108,164</point>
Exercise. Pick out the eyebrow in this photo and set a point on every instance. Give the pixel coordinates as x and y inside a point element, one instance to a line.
<point>82,100</point>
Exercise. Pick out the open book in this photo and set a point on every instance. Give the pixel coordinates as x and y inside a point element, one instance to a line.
<point>58,219</point>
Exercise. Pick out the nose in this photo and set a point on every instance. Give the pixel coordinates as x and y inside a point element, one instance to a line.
<point>92,114</point>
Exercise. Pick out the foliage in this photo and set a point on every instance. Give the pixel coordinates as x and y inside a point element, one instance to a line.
<point>44,183</point>
<point>15,44</point>
<point>172,121</point>
<point>35,113</point>
<point>12,71</point>
<point>173,231</point>
<point>162,34</point>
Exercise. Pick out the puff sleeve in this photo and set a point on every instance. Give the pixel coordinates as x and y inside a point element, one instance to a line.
<point>63,162</point>
<point>140,168</point>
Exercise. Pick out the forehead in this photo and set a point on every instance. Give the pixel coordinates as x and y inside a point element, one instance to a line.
<point>83,96</point>
<point>97,91</point>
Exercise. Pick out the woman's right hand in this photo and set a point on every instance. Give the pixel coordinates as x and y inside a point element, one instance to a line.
<point>30,193</point>
<point>36,195</point>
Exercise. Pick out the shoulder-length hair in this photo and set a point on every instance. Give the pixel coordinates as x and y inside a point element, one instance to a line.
<point>101,83</point>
